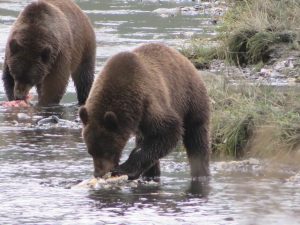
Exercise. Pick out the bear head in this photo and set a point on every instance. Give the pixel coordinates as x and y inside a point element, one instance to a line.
<point>105,139</point>
<point>31,53</point>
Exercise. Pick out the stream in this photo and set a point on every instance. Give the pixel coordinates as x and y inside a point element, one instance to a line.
<point>40,162</point>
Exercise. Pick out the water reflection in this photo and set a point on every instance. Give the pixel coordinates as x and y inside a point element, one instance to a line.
<point>167,205</point>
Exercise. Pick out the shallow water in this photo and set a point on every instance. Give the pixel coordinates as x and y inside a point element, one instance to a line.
<point>38,164</point>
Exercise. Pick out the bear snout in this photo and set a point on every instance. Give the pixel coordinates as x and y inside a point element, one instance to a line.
<point>102,166</point>
<point>21,91</point>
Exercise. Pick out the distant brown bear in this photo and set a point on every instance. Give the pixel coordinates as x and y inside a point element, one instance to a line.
<point>155,93</point>
<point>50,40</point>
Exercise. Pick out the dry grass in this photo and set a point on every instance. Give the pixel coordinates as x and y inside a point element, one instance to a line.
<point>253,119</point>
<point>249,32</point>
<point>251,28</point>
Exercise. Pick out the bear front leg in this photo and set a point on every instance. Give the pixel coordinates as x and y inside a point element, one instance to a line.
<point>160,136</point>
<point>8,82</point>
<point>153,173</point>
<point>51,91</point>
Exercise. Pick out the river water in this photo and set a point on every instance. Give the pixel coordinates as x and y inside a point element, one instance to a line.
<point>39,163</point>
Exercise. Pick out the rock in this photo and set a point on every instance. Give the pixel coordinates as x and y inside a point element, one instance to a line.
<point>249,165</point>
<point>48,120</point>
<point>23,116</point>
<point>53,121</point>
<point>167,11</point>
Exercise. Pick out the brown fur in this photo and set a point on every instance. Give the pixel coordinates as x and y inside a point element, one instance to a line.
<point>50,40</point>
<point>156,94</point>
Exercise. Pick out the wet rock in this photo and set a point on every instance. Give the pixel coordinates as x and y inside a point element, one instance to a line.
<point>23,116</point>
<point>49,120</point>
<point>280,70</point>
<point>53,121</point>
<point>37,117</point>
<point>15,123</point>
<point>167,12</point>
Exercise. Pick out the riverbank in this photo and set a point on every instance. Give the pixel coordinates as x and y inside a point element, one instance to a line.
<point>257,40</point>
<point>252,120</point>
<point>253,68</point>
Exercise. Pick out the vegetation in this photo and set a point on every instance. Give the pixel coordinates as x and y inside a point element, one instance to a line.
<point>253,120</point>
<point>250,32</point>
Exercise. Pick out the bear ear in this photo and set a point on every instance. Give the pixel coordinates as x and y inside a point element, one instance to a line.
<point>46,54</point>
<point>83,114</point>
<point>14,47</point>
<point>110,121</point>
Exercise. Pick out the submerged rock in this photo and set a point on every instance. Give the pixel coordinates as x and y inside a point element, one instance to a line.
<point>48,120</point>
<point>54,121</point>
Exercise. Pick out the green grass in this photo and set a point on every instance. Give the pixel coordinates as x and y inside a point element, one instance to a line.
<point>247,119</point>
<point>249,32</point>
<point>199,53</point>
<point>241,113</point>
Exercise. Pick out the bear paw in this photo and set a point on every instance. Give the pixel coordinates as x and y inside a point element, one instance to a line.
<point>131,173</point>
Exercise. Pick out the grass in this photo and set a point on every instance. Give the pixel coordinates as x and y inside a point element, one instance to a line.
<point>253,120</point>
<point>199,53</point>
<point>250,32</point>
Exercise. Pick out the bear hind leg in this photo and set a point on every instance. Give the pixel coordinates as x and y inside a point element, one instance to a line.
<point>196,142</point>
<point>83,78</point>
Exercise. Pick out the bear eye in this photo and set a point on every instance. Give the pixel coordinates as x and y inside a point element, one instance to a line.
<point>45,55</point>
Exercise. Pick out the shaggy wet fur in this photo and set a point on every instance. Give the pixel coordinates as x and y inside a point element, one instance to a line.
<point>50,40</point>
<point>155,93</point>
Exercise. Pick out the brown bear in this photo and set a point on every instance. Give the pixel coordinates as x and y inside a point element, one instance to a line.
<point>50,40</point>
<point>155,93</point>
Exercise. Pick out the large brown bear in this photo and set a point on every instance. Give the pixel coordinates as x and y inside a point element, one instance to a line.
<point>50,40</point>
<point>155,93</point>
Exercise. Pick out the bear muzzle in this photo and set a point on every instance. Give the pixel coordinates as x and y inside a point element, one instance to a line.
<point>21,91</point>
<point>102,166</point>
